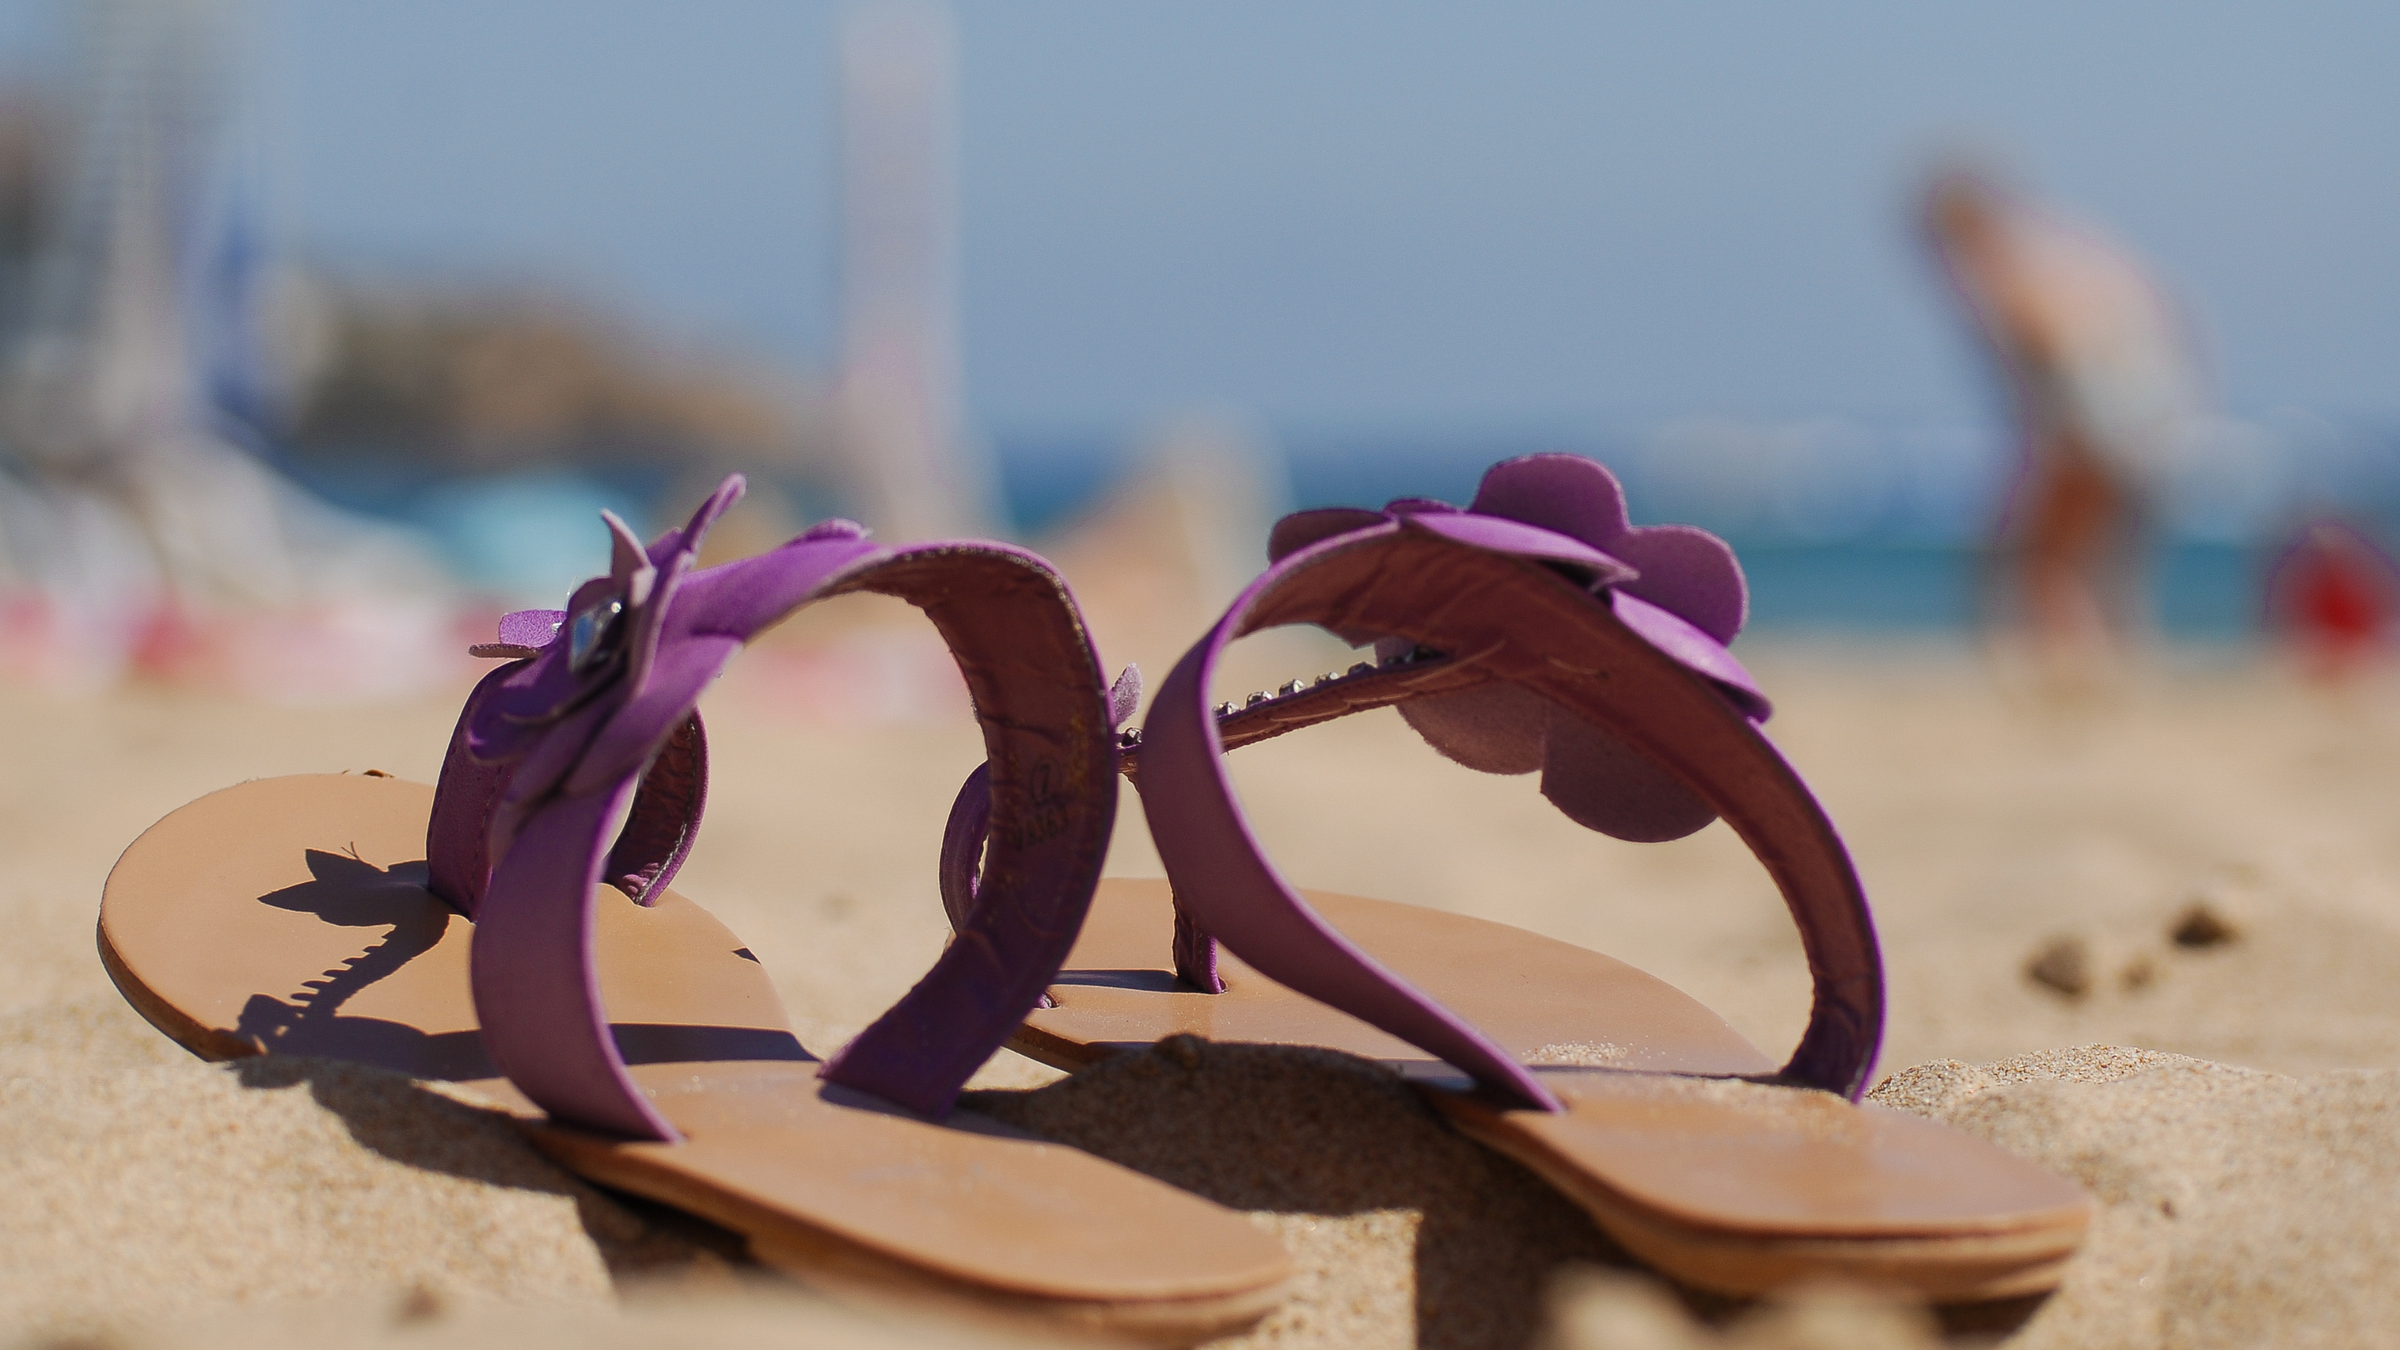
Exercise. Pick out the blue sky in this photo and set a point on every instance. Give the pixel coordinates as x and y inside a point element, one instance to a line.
<point>1380,215</point>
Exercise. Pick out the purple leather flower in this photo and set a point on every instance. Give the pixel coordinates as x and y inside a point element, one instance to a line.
<point>652,632</point>
<point>1678,586</point>
<point>586,663</point>
<point>601,644</point>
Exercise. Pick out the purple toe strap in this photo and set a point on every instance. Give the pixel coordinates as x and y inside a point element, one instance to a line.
<point>649,851</point>
<point>1479,619</point>
<point>551,747</point>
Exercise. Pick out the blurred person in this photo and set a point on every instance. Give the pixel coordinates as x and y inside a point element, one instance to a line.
<point>2334,598</point>
<point>2104,387</point>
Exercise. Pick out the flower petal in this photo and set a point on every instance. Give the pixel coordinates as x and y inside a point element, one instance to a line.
<point>1689,572</point>
<point>1526,541</point>
<point>1496,729</point>
<point>535,628</point>
<point>1125,695</point>
<point>687,539</point>
<point>1601,783</point>
<point>1567,494</point>
<point>645,624</point>
<point>1694,649</point>
<point>629,566</point>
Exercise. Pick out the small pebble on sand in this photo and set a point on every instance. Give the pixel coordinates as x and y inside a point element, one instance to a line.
<point>2200,925</point>
<point>2062,964</point>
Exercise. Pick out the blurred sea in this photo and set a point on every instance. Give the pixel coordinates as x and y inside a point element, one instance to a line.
<point>1843,526</point>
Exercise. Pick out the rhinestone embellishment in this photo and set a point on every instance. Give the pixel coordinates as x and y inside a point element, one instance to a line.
<point>588,633</point>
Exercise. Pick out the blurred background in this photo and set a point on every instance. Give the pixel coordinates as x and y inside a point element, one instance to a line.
<point>310,312</point>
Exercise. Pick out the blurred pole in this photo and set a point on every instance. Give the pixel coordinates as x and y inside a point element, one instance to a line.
<point>909,467</point>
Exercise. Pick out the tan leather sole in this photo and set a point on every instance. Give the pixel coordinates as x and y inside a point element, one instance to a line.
<point>1725,1184</point>
<point>288,916</point>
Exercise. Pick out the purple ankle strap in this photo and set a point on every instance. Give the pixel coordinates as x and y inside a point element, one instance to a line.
<point>1511,646</point>
<point>599,708</point>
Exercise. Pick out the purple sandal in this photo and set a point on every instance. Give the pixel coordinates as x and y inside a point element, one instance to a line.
<point>535,953</point>
<point>1536,630</point>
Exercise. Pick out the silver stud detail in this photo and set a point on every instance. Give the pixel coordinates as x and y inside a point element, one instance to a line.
<point>1255,699</point>
<point>1362,668</point>
<point>1290,689</point>
<point>1225,710</point>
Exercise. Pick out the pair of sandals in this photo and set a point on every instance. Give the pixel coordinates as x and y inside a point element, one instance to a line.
<point>641,1045</point>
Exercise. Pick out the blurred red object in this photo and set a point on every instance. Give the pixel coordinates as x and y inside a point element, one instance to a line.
<point>2334,596</point>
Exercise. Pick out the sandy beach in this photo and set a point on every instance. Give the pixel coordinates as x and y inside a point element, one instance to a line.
<point>2051,344</point>
<point>2194,867</point>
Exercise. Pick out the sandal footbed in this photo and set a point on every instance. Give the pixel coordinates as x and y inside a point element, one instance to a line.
<point>1539,999</point>
<point>288,916</point>
<point>1727,1184</point>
